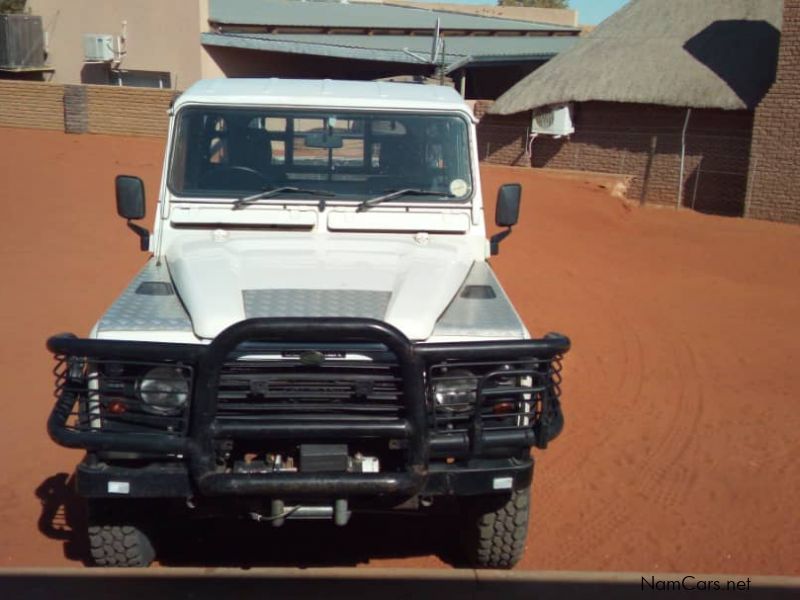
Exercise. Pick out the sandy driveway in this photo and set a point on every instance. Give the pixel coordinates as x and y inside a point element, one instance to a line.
<point>681,446</point>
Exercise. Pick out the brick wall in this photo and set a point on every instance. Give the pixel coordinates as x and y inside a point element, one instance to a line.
<point>31,104</point>
<point>775,153</point>
<point>84,108</point>
<point>644,142</point>
<point>127,111</point>
<point>501,139</point>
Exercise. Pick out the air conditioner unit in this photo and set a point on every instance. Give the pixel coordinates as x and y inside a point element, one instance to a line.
<point>21,41</point>
<point>553,120</point>
<point>98,47</point>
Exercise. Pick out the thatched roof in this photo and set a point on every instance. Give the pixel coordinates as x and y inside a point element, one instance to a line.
<point>692,53</point>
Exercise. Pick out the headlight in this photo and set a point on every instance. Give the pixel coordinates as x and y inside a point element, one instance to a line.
<point>164,390</point>
<point>456,391</point>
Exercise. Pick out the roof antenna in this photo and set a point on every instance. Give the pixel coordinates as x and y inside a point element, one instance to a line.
<point>437,42</point>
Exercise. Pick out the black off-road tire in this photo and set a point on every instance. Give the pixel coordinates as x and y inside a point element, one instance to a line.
<point>496,529</point>
<point>116,535</point>
<point>120,546</point>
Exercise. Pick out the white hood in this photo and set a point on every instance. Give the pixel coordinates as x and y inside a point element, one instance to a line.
<point>400,281</point>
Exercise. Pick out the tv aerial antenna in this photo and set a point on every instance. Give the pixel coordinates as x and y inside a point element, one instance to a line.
<point>438,42</point>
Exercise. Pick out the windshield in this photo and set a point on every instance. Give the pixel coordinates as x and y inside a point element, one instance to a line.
<point>232,152</point>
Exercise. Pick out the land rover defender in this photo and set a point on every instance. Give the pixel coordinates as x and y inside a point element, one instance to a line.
<point>317,330</point>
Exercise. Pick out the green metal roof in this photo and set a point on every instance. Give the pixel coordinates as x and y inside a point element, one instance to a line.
<point>327,13</point>
<point>459,51</point>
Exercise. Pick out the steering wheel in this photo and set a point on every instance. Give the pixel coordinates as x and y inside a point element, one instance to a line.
<point>237,177</point>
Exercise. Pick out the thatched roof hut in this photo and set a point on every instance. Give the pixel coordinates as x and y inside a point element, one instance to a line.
<point>690,53</point>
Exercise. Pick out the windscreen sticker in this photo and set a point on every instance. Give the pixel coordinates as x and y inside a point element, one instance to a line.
<point>459,188</point>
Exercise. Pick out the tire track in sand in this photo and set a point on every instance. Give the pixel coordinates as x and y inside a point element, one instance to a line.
<point>654,480</point>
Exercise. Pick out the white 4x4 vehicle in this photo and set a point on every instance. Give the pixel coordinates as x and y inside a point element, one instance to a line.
<point>317,332</point>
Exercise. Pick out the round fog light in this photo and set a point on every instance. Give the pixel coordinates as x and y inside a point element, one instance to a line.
<point>456,391</point>
<point>164,390</point>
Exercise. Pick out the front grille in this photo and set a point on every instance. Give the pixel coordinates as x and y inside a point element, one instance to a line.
<point>287,390</point>
<point>506,396</point>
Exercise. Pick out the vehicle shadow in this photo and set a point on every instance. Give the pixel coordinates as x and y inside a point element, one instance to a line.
<point>63,516</point>
<point>245,543</point>
<point>304,544</point>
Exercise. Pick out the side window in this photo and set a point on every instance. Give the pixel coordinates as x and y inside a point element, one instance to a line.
<point>275,124</point>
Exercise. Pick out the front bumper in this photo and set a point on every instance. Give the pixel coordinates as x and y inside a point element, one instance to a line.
<point>191,451</point>
<point>172,480</point>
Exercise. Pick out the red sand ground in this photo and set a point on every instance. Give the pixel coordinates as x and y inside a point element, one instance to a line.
<point>681,446</point>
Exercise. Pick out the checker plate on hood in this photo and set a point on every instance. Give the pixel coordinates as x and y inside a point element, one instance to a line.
<point>315,303</point>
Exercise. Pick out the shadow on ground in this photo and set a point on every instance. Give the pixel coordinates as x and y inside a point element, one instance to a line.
<point>244,543</point>
<point>303,543</point>
<point>212,544</point>
<point>63,516</point>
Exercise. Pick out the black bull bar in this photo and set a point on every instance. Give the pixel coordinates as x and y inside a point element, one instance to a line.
<point>198,446</point>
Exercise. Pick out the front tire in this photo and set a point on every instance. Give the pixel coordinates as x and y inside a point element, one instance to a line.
<point>496,529</point>
<point>116,541</point>
<point>120,546</point>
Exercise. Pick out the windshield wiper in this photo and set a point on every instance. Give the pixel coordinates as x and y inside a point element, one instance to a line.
<point>397,194</point>
<point>271,193</point>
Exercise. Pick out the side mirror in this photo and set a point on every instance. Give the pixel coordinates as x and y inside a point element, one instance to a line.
<point>506,213</point>
<point>130,197</point>
<point>131,205</point>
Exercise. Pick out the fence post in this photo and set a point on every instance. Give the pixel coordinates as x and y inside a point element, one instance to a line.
<point>648,168</point>
<point>697,180</point>
<point>683,158</point>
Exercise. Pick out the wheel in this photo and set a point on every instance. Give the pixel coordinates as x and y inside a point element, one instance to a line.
<point>496,529</point>
<point>120,546</point>
<point>117,544</point>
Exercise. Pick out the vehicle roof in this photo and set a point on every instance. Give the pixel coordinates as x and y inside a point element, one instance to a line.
<point>322,93</point>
